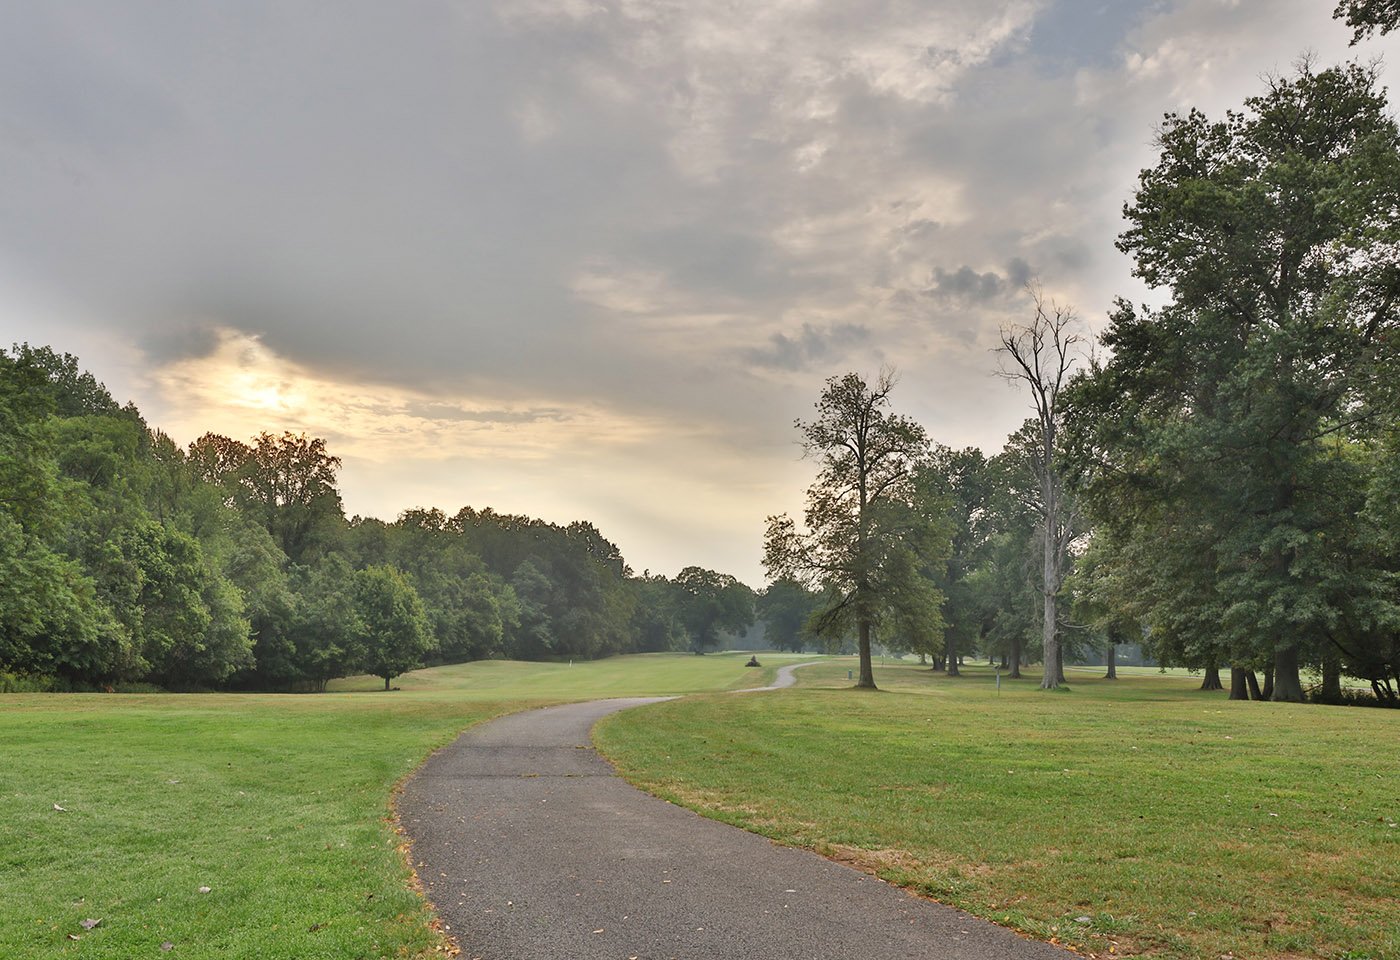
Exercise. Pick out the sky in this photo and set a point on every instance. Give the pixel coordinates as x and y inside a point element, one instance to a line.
<point>588,259</point>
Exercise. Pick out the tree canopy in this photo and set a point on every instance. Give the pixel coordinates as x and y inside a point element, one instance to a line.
<point>867,532</point>
<point>1230,440</point>
<point>1368,16</point>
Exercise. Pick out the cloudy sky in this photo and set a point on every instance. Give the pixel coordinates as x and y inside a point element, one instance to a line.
<point>586,259</point>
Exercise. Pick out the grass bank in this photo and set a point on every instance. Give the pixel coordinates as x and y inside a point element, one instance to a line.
<point>277,804</point>
<point>1130,817</point>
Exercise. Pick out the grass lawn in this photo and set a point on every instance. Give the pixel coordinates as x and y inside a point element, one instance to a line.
<point>278,804</point>
<point>1137,817</point>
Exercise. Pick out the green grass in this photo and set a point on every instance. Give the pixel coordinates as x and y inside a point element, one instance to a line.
<point>1180,824</point>
<point>278,804</point>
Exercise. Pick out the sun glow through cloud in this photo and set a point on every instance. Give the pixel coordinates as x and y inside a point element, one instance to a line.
<point>407,448</point>
<point>241,387</point>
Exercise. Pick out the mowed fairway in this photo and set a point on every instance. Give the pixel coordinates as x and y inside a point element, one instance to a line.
<point>278,804</point>
<point>1178,823</point>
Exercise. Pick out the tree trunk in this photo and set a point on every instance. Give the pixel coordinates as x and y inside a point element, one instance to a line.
<point>1239,689</point>
<point>1331,678</point>
<point>386,683</point>
<point>1211,680</point>
<point>951,655</point>
<point>1015,673</point>
<point>923,660</point>
<point>1383,691</point>
<point>1288,686</point>
<point>1112,662</point>
<point>867,672</point>
<point>1252,682</point>
<point>1268,693</point>
<point>1060,664</point>
<point>1050,641</point>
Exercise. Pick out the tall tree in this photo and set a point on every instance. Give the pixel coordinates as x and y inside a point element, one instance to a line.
<point>1102,604</point>
<point>786,608</point>
<point>864,534</point>
<point>1221,426</point>
<point>1042,355</point>
<point>656,621</point>
<point>327,629</point>
<point>286,483</point>
<point>710,602</point>
<point>1004,587</point>
<point>960,478</point>
<point>397,635</point>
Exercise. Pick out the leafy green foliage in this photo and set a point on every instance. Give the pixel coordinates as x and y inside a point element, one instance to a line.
<point>231,564</point>
<point>396,634</point>
<point>710,602</point>
<point>869,534</point>
<point>1226,442</point>
<point>787,610</point>
<point>1368,16</point>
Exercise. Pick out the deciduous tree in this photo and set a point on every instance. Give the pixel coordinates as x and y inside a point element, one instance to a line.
<point>1220,431</point>
<point>710,602</point>
<point>1042,355</point>
<point>864,533</point>
<point>397,635</point>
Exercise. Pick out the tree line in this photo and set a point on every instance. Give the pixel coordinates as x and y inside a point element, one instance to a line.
<point>1221,482</point>
<point>126,559</point>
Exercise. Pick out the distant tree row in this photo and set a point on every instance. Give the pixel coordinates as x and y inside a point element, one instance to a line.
<point>125,559</point>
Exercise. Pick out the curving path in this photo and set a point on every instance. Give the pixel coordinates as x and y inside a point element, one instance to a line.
<point>530,848</point>
<point>783,678</point>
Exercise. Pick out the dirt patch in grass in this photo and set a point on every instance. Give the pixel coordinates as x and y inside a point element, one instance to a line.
<point>881,862</point>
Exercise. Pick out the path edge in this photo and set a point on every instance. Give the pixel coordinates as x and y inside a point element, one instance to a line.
<point>850,864</point>
<point>448,945</point>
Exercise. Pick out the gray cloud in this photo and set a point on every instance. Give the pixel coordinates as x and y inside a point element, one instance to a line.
<point>809,347</point>
<point>967,285</point>
<point>656,210</point>
<point>455,413</point>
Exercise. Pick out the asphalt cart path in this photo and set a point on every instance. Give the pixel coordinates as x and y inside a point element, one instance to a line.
<point>531,848</point>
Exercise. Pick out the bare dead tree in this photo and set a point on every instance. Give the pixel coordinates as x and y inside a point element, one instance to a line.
<point>1042,354</point>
